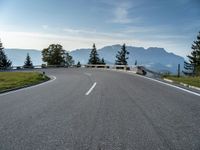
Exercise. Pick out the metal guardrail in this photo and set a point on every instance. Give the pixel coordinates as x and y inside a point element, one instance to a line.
<point>136,69</point>
<point>124,67</point>
<point>19,67</point>
<point>33,67</point>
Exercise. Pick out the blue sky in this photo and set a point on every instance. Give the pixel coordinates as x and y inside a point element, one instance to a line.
<point>171,24</point>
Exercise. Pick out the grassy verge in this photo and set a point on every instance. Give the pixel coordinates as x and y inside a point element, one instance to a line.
<point>12,80</point>
<point>193,81</point>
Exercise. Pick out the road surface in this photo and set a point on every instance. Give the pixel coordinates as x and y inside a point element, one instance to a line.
<point>99,110</point>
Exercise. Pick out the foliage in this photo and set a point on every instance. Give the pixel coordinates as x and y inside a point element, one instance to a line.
<point>94,56</point>
<point>102,62</point>
<point>4,61</point>
<point>78,65</point>
<point>193,81</point>
<point>54,55</point>
<point>28,63</point>
<point>136,63</point>
<point>121,57</point>
<point>68,60</point>
<point>43,65</point>
<point>193,66</point>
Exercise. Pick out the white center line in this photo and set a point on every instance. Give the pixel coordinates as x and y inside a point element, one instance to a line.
<point>90,90</point>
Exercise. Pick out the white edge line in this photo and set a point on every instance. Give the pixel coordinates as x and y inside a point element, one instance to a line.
<point>30,87</point>
<point>185,90</point>
<point>90,90</point>
<point>182,89</point>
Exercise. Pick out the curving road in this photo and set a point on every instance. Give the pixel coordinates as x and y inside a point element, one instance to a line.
<point>99,110</point>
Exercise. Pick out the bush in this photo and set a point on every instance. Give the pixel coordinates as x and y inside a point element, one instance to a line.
<point>43,65</point>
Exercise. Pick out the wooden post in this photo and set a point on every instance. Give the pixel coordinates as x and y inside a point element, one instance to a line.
<point>178,70</point>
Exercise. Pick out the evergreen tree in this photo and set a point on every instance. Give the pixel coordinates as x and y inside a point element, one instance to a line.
<point>94,56</point>
<point>193,66</point>
<point>28,63</point>
<point>4,62</point>
<point>78,64</point>
<point>102,61</point>
<point>136,63</point>
<point>122,56</point>
<point>188,68</point>
<point>54,55</point>
<point>68,60</point>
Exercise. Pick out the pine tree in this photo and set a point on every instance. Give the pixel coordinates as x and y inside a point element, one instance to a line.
<point>68,60</point>
<point>188,69</point>
<point>78,64</point>
<point>122,56</point>
<point>103,61</point>
<point>28,63</point>
<point>193,66</point>
<point>136,63</point>
<point>4,62</point>
<point>94,56</point>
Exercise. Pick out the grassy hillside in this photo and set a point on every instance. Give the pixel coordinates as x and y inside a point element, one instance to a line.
<point>10,80</point>
<point>193,81</point>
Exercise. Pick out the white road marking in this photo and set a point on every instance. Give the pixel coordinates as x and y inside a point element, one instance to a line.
<point>15,91</point>
<point>90,90</point>
<point>182,89</point>
<point>174,86</point>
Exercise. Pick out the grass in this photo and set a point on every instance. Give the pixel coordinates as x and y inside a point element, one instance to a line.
<point>193,81</point>
<point>10,80</point>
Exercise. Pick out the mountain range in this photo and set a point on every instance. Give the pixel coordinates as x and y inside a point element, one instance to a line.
<point>157,59</point>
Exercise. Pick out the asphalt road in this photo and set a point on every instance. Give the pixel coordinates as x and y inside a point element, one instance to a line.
<point>99,110</point>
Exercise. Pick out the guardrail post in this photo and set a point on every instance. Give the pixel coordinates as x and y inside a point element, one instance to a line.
<point>125,67</point>
<point>43,74</point>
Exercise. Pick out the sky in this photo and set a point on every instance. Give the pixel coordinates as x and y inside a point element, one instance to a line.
<point>35,24</point>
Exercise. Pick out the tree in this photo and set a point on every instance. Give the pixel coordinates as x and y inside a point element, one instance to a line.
<point>136,63</point>
<point>78,64</point>
<point>68,60</point>
<point>4,61</point>
<point>28,63</point>
<point>189,69</point>
<point>122,56</point>
<point>54,55</point>
<point>192,67</point>
<point>102,61</point>
<point>94,56</point>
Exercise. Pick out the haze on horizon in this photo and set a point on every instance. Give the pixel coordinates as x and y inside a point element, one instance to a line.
<point>34,24</point>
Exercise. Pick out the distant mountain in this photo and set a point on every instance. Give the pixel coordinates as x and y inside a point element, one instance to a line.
<point>18,56</point>
<point>154,58</point>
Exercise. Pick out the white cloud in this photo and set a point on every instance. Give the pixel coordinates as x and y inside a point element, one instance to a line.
<point>91,33</point>
<point>84,39</point>
<point>120,12</point>
<point>78,31</point>
<point>42,40</point>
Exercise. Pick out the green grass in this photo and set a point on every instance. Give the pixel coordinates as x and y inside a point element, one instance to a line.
<point>10,80</point>
<point>193,81</point>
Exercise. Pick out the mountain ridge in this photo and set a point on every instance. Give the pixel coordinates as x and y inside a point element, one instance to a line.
<point>155,58</point>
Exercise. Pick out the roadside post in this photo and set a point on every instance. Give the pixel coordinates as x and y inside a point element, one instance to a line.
<point>43,74</point>
<point>178,70</point>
